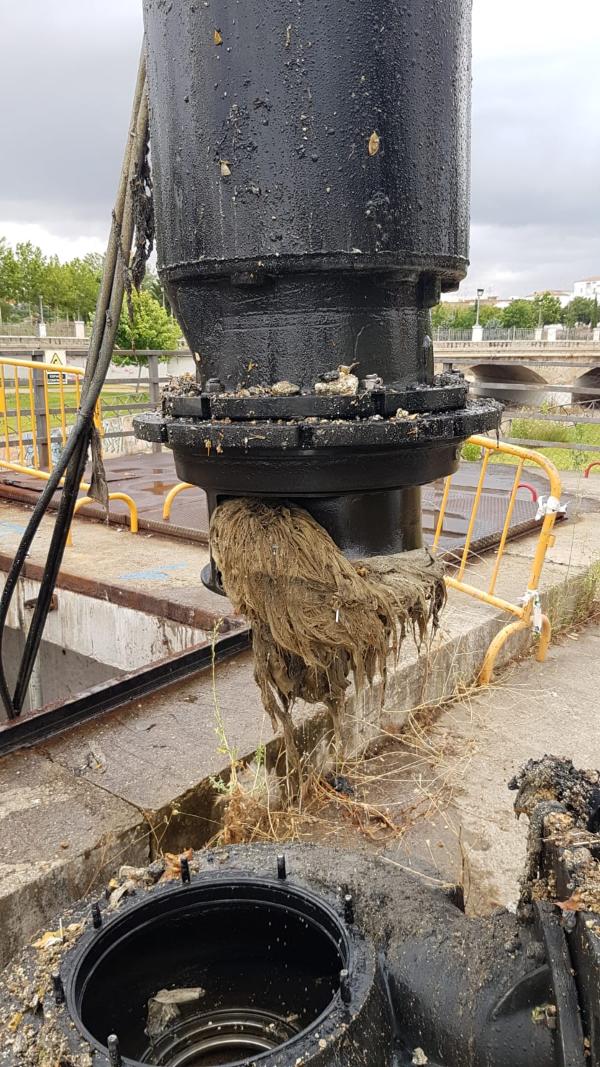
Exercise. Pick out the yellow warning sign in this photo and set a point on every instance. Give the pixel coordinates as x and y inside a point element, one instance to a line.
<point>56,357</point>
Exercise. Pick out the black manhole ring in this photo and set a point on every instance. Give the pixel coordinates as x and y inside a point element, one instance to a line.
<point>255,944</point>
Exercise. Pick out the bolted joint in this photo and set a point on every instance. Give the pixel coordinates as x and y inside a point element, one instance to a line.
<point>114,1052</point>
<point>96,916</point>
<point>349,908</point>
<point>281,868</point>
<point>184,864</point>
<point>345,991</point>
<point>58,987</point>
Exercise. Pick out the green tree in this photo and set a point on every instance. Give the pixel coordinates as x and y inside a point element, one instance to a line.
<point>151,327</point>
<point>442,315</point>
<point>31,273</point>
<point>84,276</point>
<point>464,318</point>
<point>581,311</point>
<point>9,274</point>
<point>490,316</point>
<point>521,314</point>
<point>56,285</point>
<point>547,309</point>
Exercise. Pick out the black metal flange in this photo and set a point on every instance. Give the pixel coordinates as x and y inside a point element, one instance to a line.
<point>213,436</point>
<point>278,969</point>
<point>447,392</point>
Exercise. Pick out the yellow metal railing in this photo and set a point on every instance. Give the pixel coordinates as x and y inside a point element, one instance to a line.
<point>172,494</point>
<point>30,409</point>
<point>527,613</point>
<point>36,399</point>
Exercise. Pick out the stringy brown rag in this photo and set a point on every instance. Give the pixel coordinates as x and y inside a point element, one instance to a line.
<point>317,619</point>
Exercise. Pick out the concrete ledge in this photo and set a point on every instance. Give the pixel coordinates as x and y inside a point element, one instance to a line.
<point>59,837</point>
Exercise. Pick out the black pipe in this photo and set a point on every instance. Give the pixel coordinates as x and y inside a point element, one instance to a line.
<point>311,187</point>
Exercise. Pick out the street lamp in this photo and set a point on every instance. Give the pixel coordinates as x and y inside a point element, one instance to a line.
<point>479,296</point>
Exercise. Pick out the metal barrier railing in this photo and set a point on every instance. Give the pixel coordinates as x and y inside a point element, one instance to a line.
<point>36,401</point>
<point>528,613</point>
<point>172,494</point>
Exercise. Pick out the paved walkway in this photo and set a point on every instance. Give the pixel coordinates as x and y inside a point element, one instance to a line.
<point>460,766</point>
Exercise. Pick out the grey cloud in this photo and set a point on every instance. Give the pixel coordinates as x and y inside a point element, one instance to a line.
<point>68,68</point>
<point>536,141</point>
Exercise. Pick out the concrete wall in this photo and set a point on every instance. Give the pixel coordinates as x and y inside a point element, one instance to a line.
<point>89,640</point>
<point>62,672</point>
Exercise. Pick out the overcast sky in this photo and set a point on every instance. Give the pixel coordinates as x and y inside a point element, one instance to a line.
<point>66,78</point>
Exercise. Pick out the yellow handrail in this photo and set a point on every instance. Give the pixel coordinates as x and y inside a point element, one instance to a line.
<point>133,511</point>
<point>18,468</point>
<point>15,439</point>
<point>170,497</point>
<point>527,613</point>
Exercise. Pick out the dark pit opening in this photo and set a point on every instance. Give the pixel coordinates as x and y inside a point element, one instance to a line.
<point>268,958</point>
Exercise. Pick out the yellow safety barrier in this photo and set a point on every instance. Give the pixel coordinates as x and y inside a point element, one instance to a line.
<point>133,511</point>
<point>170,497</point>
<point>37,409</point>
<point>528,614</point>
<point>26,396</point>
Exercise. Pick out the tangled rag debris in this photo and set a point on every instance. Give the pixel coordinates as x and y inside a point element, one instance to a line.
<point>317,618</point>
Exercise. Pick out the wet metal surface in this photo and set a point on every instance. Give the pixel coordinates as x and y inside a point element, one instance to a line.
<point>148,478</point>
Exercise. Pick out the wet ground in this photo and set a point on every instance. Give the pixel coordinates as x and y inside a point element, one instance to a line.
<point>435,797</point>
<point>147,478</point>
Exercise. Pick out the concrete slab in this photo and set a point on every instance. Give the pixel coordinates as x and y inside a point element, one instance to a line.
<point>59,837</point>
<point>146,571</point>
<point>475,747</point>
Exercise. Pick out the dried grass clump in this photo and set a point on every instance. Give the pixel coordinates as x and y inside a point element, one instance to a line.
<point>317,618</point>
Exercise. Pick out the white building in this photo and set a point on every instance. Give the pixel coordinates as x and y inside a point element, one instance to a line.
<point>588,287</point>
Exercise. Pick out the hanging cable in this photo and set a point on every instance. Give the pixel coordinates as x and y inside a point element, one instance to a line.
<point>72,460</point>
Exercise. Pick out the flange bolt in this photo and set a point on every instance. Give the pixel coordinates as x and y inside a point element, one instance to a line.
<point>58,987</point>
<point>114,1052</point>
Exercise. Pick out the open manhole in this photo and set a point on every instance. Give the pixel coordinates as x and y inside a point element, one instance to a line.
<point>252,968</point>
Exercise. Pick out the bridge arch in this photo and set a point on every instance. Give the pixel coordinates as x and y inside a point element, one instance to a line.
<point>591,379</point>
<point>486,374</point>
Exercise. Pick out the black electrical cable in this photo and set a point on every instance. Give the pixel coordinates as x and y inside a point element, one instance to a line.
<point>54,559</point>
<point>72,459</point>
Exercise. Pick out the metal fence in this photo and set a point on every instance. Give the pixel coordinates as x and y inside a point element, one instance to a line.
<point>28,328</point>
<point>38,406</point>
<point>513,333</point>
<point>527,613</point>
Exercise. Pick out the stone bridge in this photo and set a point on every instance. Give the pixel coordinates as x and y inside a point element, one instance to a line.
<point>570,368</point>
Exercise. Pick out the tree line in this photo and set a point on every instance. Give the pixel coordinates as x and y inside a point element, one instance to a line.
<point>66,289</point>
<point>543,310</point>
<point>69,290</point>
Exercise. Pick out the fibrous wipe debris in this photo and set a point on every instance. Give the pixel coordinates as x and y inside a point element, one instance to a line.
<point>318,619</point>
